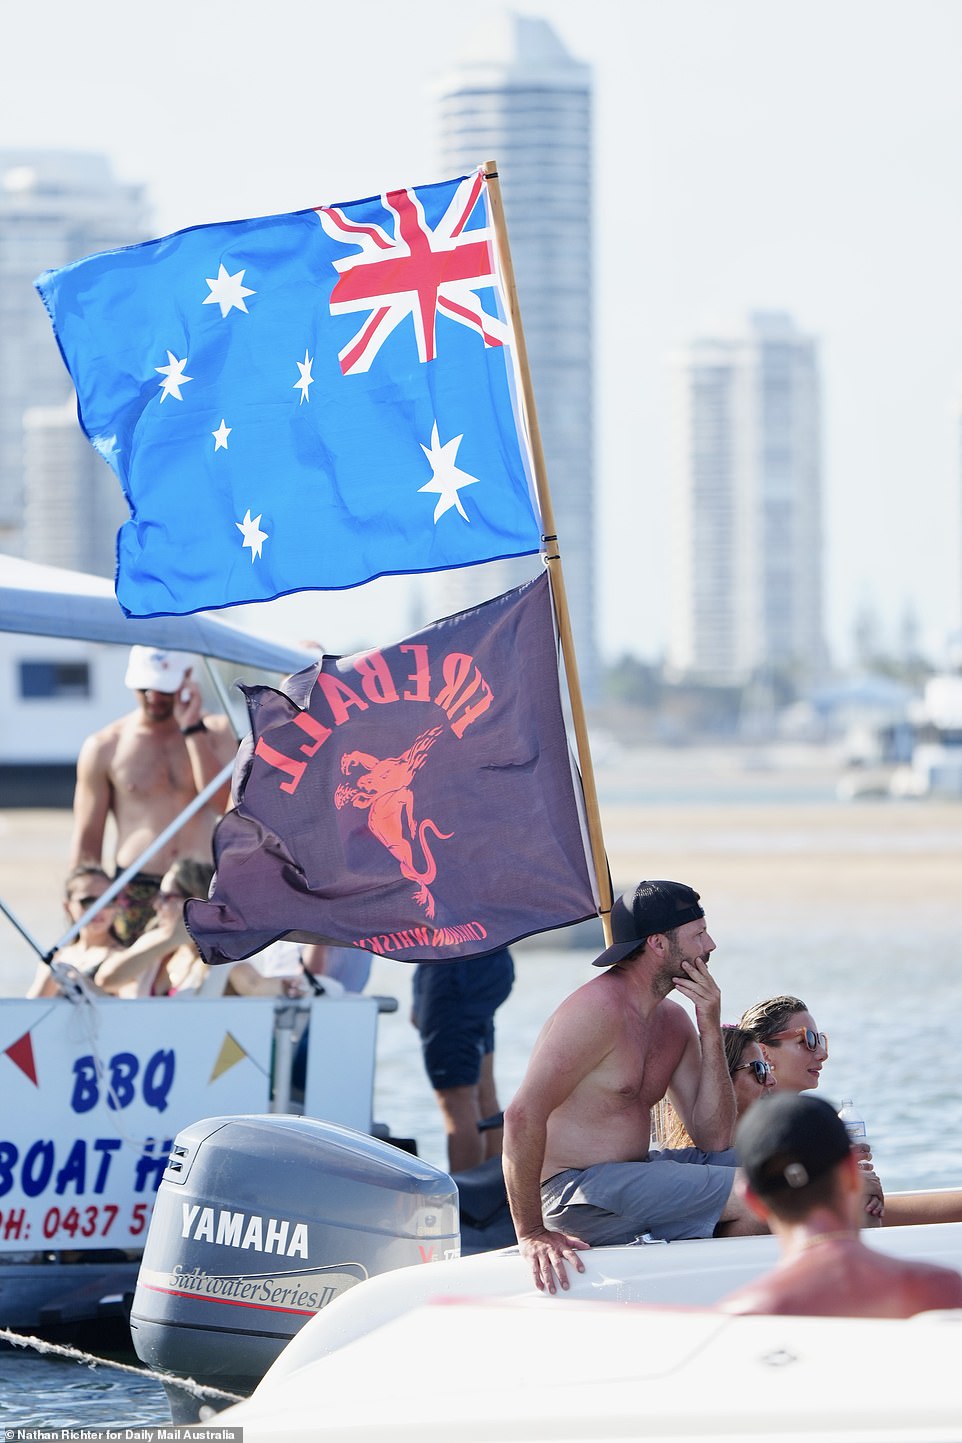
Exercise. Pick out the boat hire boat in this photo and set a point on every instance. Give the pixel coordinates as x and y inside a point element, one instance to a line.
<point>95,1089</point>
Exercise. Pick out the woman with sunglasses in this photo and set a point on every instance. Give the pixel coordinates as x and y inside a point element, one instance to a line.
<point>752,1078</point>
<point>94,945</point>
<point>786,1031</point>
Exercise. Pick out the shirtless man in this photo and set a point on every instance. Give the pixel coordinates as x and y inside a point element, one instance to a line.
<point>801,1177</point>
<point>577,1163</point>
<point>144,769</point>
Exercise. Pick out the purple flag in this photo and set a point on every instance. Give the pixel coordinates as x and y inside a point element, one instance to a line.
<point>418,801</point>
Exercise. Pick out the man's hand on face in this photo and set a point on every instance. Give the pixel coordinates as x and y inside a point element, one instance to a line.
<point>188,704</point>
<point>701,989</point>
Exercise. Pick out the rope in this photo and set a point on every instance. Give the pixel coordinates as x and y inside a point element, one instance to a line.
<point>76,1355</point>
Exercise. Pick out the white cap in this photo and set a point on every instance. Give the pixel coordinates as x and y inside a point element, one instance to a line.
<point>151,669</point>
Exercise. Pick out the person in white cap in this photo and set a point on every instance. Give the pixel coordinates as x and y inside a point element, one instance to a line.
<point>143,770</point>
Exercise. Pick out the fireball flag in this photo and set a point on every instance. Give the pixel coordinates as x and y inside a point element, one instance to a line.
<point>418,801</point>
<point>302,401</point>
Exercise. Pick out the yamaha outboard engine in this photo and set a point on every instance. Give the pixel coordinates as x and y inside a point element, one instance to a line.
<point>259,1223</point>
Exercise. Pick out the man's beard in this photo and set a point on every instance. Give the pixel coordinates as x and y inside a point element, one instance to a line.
<point>158,711</point>
<point>672,968</point>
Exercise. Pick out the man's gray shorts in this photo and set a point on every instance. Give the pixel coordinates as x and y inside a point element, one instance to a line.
<point>678,1193</point>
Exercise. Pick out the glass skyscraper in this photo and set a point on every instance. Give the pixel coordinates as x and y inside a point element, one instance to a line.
<point>747,560</point>
<point>521,100</point>
<point>55,207</point>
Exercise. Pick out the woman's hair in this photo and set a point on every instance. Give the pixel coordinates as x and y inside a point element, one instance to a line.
<point>192,876</point>
<point>766,1018</point>
<point>85,869</point>
<point>736,1039</point>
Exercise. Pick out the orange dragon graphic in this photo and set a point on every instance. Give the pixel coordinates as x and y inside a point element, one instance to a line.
<point>383,789</point>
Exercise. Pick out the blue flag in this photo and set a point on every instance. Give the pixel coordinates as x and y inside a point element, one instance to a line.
<point>302,401</point>
<point>419,801</point>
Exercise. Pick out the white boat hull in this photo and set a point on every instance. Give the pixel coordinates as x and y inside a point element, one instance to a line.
<point>468,1350</point>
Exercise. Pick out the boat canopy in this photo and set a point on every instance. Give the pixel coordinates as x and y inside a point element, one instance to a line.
<point>40,600</point>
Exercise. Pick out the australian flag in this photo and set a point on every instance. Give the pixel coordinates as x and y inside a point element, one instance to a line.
<point>302,401</point>
<point>417,801</point>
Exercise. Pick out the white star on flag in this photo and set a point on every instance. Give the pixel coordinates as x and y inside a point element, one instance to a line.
<point>447,479</point>
<point>254,537</point>
<point>227,291</point>
<point>307,380</point>
<point>220,437</point>
<point>174,377</point>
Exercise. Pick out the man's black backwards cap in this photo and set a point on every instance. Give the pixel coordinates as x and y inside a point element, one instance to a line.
<point>789,1142</point>
<point>651,907</point>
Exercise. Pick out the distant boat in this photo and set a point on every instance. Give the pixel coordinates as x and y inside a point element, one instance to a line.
<point>935,769</point>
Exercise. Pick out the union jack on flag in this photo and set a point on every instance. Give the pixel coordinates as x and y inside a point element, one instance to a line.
<point>303,401</point>
<point>416,271</point>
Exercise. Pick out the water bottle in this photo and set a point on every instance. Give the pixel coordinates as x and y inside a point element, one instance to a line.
<point>853,1120</point>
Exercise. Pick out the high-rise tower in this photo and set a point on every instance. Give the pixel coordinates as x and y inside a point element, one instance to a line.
<point>747,560</point>
<point>520,99</point>
<point>55,206</point>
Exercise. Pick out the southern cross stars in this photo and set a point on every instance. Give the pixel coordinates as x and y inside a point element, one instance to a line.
<point>174,378</point>
<point>307,380</point>
<point>254,537</point>
<point>220,437</point>
<point>227,291</point>
<point>447,479</point>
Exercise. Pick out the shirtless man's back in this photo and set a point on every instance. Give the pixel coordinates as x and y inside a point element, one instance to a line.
<point>146,767</point>
<point>803,1179</point>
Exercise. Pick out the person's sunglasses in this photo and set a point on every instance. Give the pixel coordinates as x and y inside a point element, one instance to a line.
<point>813,1040</point>
<point>86,902</point>
<point>762,1070</point>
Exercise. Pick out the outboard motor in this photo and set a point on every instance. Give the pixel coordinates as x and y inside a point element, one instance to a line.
<point>259,1223</point>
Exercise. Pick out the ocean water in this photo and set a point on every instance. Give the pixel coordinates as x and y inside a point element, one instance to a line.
<point>854,910</point>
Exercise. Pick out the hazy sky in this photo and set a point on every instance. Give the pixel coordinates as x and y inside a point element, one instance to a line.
<point>800,155</point>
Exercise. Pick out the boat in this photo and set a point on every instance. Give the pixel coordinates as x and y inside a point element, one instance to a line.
<point>96,1089</point>
<point>366,1268</point>
<point>465,1347</point>
<point>914,751</point>
<point>489,1369</point>
<point>935,766</point>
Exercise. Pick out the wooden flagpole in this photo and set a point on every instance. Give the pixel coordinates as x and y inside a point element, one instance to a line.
<point>552,556</point>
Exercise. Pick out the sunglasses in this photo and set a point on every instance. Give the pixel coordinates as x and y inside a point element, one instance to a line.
<point>86,902</point>
<point>813,1040</point>
<point>762,1070</point>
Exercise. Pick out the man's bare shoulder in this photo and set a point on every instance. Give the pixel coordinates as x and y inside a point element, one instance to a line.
<point>936,1287</point>
<point>221,734</point>
<point>596,1005</point>
<point>599,995</point>
<point>217,722</point>
<point>106,738</point>
<point>882,1288</point>
<point>675,1018</point>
